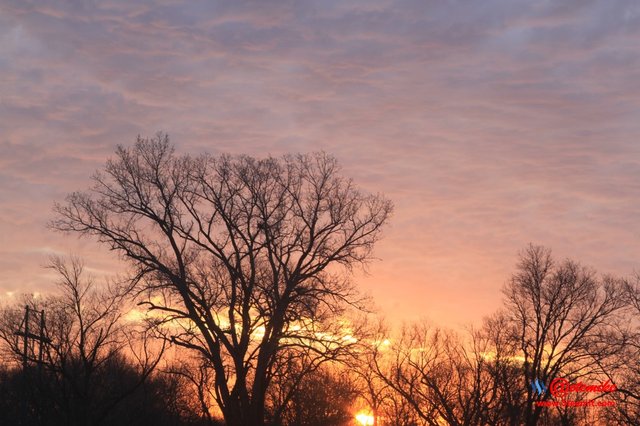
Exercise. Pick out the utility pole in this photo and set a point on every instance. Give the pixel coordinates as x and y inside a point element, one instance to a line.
<point>27,335</point>
<point>25,356</point>
<point>40,352</point>
<point>29,342</point>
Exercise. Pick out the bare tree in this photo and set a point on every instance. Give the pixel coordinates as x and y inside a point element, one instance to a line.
<point>503,365</point>
<point>626,372</point>
<point>439,376</point>
<point>290,370</point>
<point>197,373</point>
<point>85,337</point>
<point>562,317</point>
<point>383,402</point>
<point>559,320</point>
<point>323,395</point>
<point>242,256</point>
<point>373,390</point>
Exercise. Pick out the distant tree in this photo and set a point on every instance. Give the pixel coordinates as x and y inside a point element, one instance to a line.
<point>564,320</point>
<point>503,369</point>
<point>198,375</point>
<point>163,400</point>
<point>375,392</point>
<point>441,378</point>
<point>386,405</point>
<point>242,256</point>
<point>626,370</point>
<point>323,396</point>
<point>559,320</point>
<point>68,383</point>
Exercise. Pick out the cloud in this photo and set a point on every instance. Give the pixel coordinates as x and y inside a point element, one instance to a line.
<point>491,124</point>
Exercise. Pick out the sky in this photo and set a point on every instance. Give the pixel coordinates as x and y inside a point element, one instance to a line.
<point>490,124</point>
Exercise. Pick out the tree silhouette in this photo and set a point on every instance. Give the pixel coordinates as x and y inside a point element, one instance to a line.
<point>563,318</point>
<point>91,361</point>
<point>559,320</point>
<point>241,256</point>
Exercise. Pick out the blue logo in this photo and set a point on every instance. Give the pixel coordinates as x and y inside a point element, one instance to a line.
<point>539,387</point>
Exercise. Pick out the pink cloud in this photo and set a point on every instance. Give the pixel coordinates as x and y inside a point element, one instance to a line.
<point>491,125</point>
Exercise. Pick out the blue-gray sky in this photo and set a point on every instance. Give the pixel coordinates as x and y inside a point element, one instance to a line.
<point>490,124</point>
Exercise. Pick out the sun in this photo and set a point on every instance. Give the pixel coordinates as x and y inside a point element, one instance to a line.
<point>364,418</point>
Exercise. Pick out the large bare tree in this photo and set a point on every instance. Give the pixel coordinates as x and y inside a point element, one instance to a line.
<point>239,257</point>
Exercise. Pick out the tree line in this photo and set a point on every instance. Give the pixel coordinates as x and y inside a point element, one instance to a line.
<point>239,274</point>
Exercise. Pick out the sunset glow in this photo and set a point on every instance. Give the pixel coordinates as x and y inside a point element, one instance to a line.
<point>363,212</point>
<point>479,138</point>
<point>365,418</point>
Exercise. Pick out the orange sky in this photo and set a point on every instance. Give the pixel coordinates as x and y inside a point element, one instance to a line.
<point>489,124</point>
